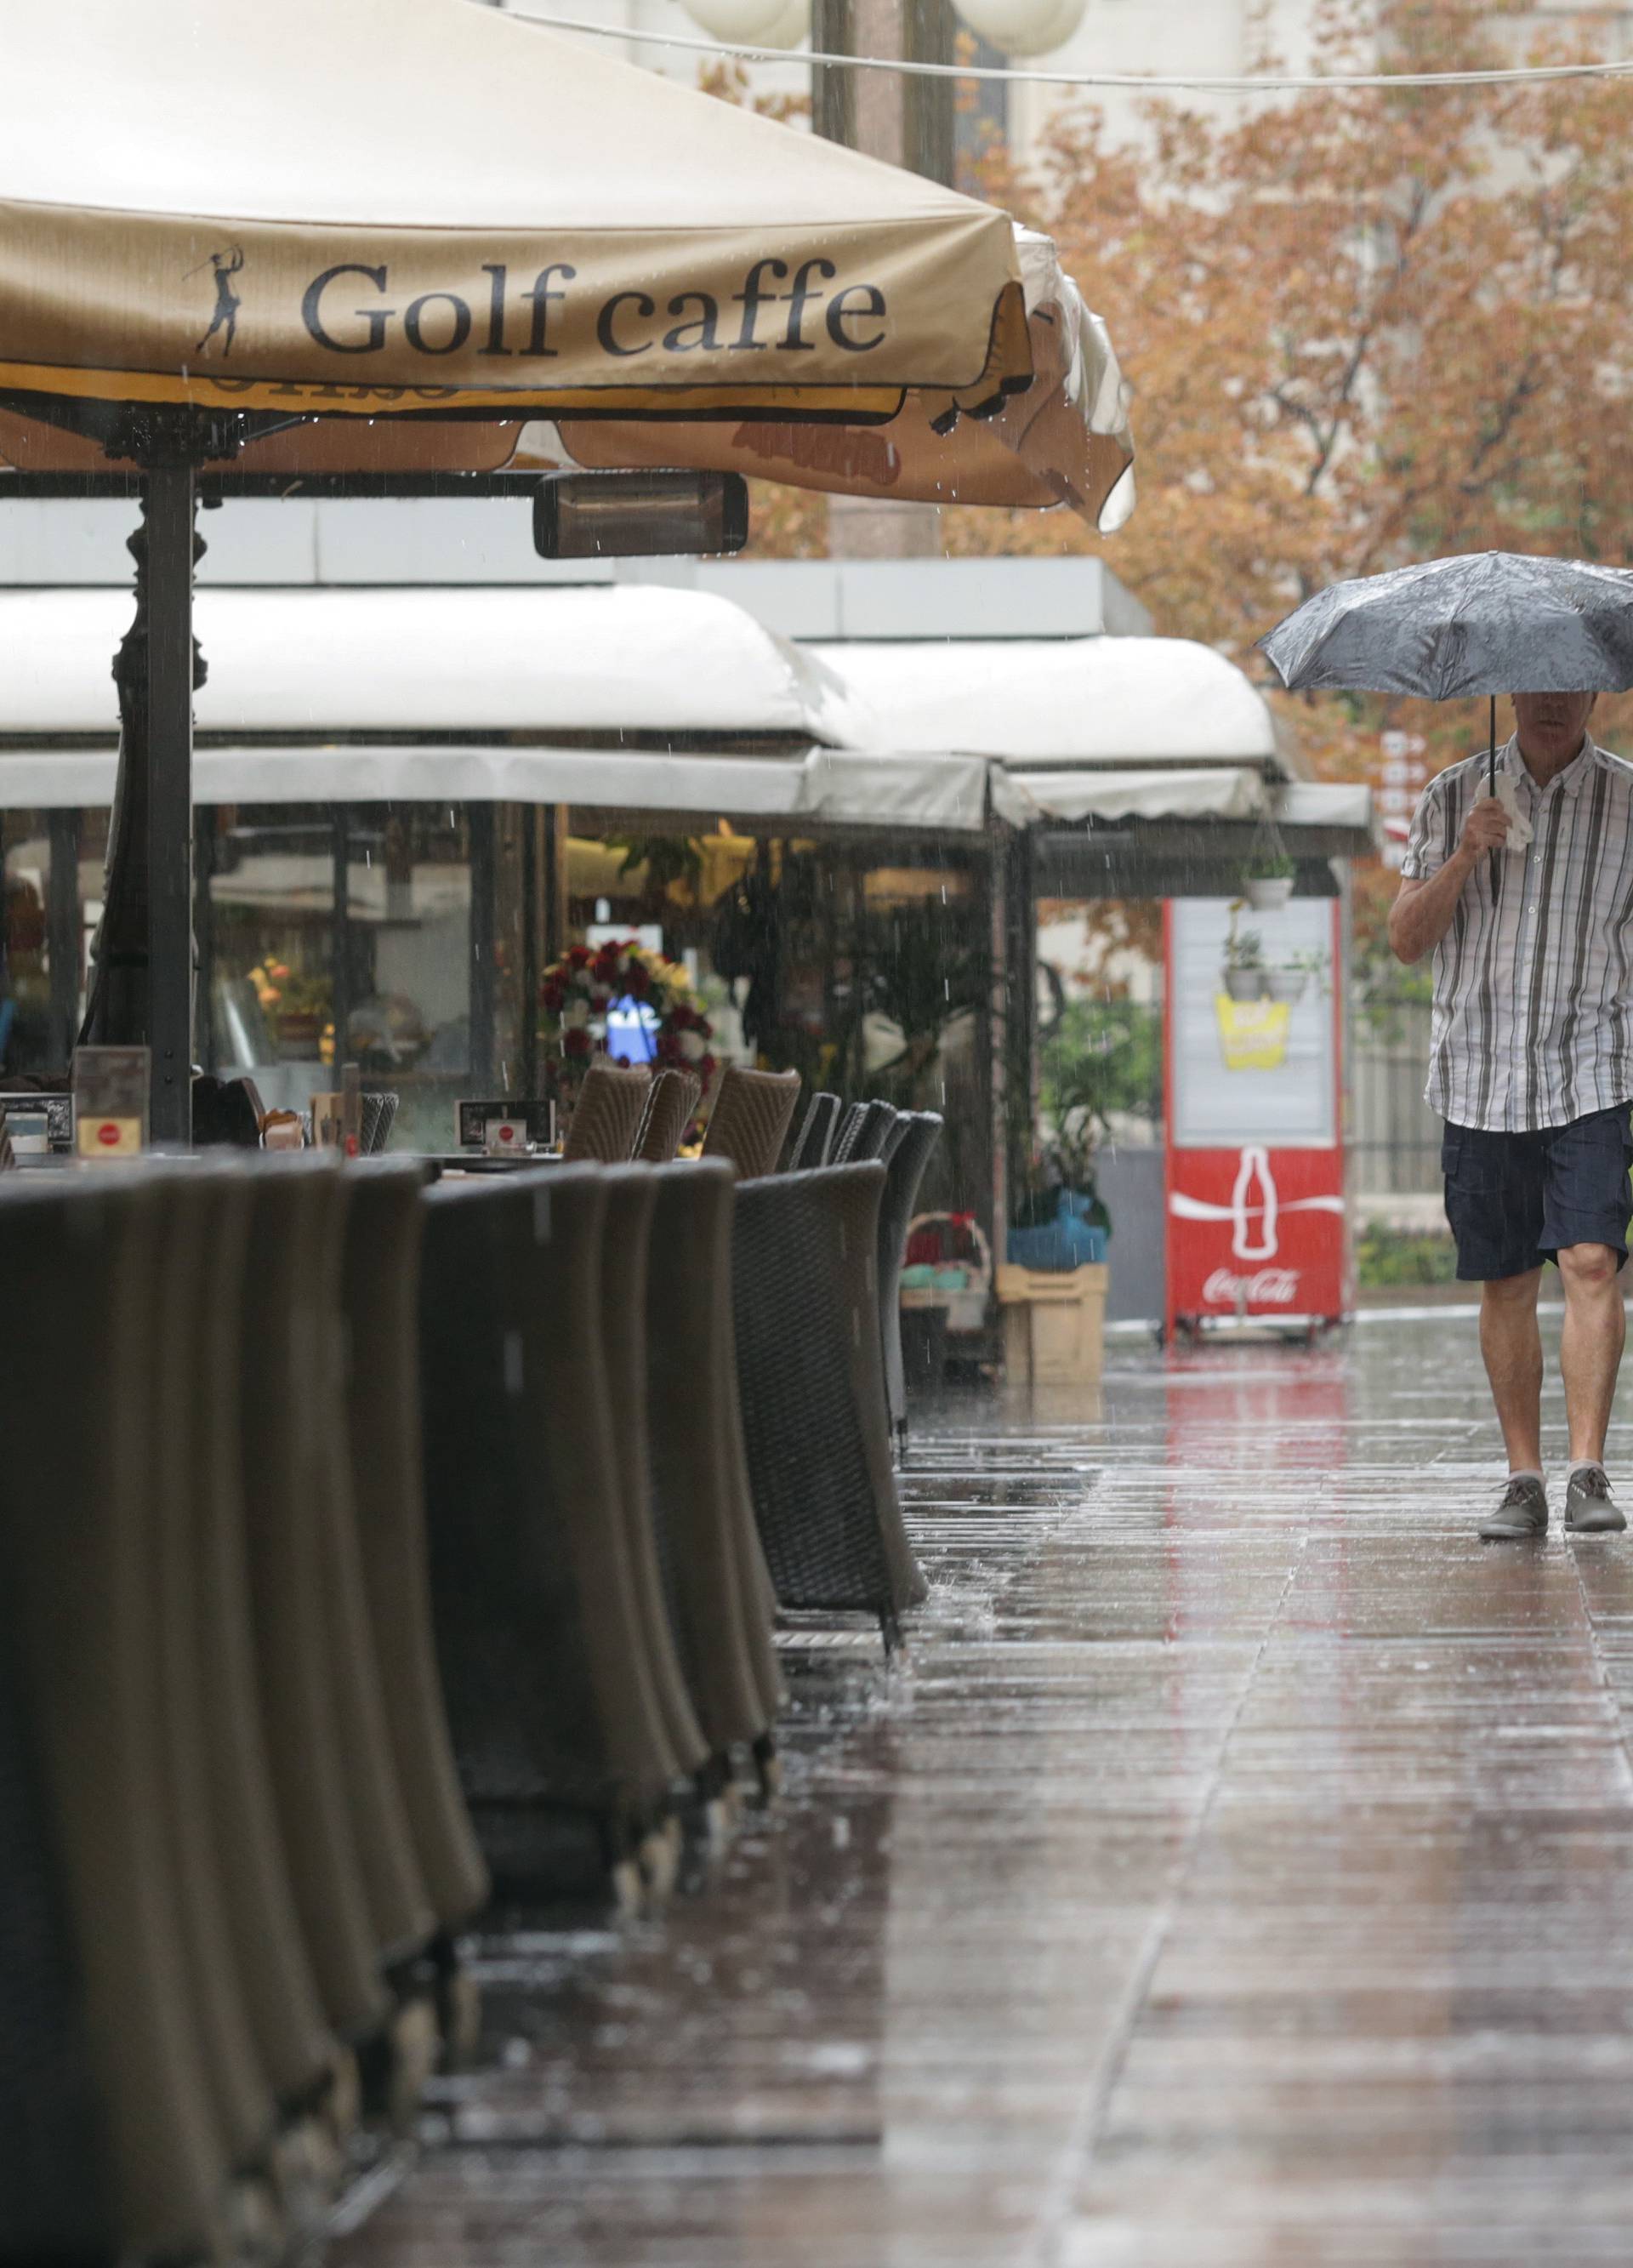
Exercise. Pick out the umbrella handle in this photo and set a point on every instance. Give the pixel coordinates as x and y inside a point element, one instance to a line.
<point>1491,772</point>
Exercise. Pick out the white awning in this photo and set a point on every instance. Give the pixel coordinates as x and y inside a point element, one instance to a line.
<point>1114,701</point>
<point>1025,797</point>
<point>616,658</point>
<point>1338,803</point>
<point>829,786</point>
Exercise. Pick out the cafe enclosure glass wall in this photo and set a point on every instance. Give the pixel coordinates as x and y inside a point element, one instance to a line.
<point>410,939</point>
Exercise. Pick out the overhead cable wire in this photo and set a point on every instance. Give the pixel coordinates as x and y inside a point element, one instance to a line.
<point>1137,82</point>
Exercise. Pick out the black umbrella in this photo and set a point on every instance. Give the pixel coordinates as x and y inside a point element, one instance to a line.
<point>1490,623</point>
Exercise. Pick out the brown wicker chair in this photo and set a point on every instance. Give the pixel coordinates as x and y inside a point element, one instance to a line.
<point>607,1116</point>
<point>293,1245</point>
<point>670,1110</point>
<point>631,1201</point>
<point>296,2048</point>
<point>811,1373</point>
<point>384,1229</point>
<point>96,1980</point>
<point>715,1575</point>
<point>556,1723</point>
<point>816,1135</point>
<point>749,1123</point>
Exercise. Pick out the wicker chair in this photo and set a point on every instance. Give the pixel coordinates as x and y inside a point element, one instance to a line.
<point>56,2173</point>
<point>379,1116</point>
<point>846,1134</point>
<point>631,1201</point>
<point>552,1713</point>
<point>917,1138</point>
<point>384,1228</point>
<point>671,1107</point>
<point>749,1123</point>
<point>297,2050</point>
<point>811,1370</point>
<point>102,1908</point>
<point>880,1127</point>
<point>189,1220</point>
<point>816,1135</point>
<point>607,1116</point>
<point>295,1224</point>
<point>708,1549</point>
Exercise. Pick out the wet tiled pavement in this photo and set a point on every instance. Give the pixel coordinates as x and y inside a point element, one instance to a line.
<point>1239,1871</point>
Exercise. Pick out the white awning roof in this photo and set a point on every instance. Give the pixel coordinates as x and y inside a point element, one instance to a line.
<point>1158,793</point>
<point>1114,701</point>
<point>830,786</point>
<point>1103,728</point>
<point>628,657</point>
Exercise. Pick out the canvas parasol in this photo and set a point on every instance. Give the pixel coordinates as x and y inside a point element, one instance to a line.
<point>1065,441</point>
<point>218,219</point>
<point>374,206</point>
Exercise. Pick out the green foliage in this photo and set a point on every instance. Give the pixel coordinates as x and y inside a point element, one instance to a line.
<point>667,859</point>
<point>926,966</point>
<point>1103,1057</point>
<point>1385,1257</point>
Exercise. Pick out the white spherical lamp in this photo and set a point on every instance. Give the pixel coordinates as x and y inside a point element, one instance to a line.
<point>1022,27</point>
<point>752,23</point>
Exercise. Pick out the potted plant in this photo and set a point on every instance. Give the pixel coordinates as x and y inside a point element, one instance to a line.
<point>1268,881</point>
<point>1245,976</point>
<point>1289,979</point>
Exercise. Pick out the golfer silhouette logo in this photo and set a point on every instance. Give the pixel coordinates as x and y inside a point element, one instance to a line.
<point>224,317</point>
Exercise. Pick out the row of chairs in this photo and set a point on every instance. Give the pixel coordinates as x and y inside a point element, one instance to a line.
<point>235,1853</point>
<point>363,1543</point>
<point>625,1114</point>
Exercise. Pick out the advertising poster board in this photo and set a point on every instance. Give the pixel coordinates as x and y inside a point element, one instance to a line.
<point>1257,1222</point>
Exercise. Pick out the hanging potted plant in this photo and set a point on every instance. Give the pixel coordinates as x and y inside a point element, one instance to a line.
<point>1243,974</point>
<point>1269,879</point>
<point>1289,979</point>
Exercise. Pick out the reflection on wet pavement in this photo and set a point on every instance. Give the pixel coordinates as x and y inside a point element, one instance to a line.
<point>1239,1871</point>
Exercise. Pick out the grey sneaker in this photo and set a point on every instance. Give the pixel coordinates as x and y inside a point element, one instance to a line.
<point>1590,1507</point>
<point>1522,1512</point>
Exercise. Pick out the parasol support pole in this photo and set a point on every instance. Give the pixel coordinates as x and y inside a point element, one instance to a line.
<point>1491,757</point>
<point>171,502</point>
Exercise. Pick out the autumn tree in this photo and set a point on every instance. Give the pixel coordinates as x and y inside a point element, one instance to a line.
<point>1361,328</point>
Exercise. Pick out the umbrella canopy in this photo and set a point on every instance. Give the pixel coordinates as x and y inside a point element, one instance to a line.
<point>384,206</point>
<point>1065,441</point>
<point>1491,623</point>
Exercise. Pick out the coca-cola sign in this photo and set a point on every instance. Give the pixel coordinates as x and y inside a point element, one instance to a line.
<point>1272,1288</point>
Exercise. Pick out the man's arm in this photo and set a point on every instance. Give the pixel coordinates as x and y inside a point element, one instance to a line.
<point>1422,914</point>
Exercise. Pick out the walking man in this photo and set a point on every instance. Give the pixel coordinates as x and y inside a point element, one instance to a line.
<point>1525,900</point>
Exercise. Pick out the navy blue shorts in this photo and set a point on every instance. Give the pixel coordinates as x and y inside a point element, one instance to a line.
<point>1516,1200</point>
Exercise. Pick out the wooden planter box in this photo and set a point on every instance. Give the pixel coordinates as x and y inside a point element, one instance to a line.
<point>1054,1324</point>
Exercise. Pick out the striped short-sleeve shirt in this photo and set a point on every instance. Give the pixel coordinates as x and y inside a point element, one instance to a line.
<point>1533,1021</point>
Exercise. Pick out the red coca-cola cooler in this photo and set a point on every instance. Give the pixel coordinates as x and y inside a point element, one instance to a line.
<point>1256,1220</point>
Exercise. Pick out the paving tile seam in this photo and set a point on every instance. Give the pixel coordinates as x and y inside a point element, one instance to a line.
<point>1052,2231</point>
<point>1612,1698</point>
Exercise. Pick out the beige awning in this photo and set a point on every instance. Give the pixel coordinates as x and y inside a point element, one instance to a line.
<point>1065,441</point>
<point>385,206</point>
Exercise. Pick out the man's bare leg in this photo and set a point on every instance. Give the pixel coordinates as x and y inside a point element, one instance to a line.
<point>1590,1345</point>
<point>1513,1347</point>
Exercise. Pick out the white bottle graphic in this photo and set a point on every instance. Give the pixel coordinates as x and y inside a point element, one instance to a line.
<point>1254,1167</point>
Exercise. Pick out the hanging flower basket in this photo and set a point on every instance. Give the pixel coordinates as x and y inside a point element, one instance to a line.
<point>577,992</point>
<point>1265,893</point>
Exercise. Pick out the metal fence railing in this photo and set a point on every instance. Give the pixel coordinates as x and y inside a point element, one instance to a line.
<point>1394,1145</point>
